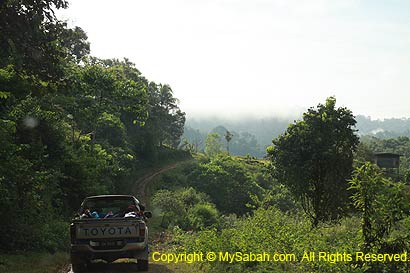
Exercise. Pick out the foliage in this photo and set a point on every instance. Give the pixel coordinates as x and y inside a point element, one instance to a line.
<point>274,223</point>
<point>363,153</point>
<point>34,41</point>
<point>213,144</point>
<point>234,184</point>
<point>228,137</point>
<point>185,208</point>
<point>202,216</point>
<point>271,231</point>
<point>187,146</point>
<point>165,122</point>
<point>71,125</point>
<point>380,202</point>
<point>314,160</point>
<point>33,262</point>
<point>227,182</point>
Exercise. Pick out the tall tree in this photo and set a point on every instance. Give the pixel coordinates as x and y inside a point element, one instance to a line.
<point>314,158</point>
<point>213,144</point>
<point>165,123</point>
<point>228,137</point>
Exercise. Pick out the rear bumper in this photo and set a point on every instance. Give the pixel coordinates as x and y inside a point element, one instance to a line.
<point>84,252</point>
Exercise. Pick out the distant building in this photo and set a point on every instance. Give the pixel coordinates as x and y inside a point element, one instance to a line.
<point>387,160</point>
<point>389,163</point>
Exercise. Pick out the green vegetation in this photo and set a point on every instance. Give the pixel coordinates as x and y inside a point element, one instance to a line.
<point>213,144</point>
<point>33,262</point>
<point>71,125</point>
<point>272,231</point>
<point>221,187</point>
<point>314,159</point>
<point>227,182</point>
<point>185,208</point>
<point>380,202</point>
<point>262,208</point>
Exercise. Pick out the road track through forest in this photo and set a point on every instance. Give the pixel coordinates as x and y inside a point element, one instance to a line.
<point>140,186</point>
<point>140,191</point>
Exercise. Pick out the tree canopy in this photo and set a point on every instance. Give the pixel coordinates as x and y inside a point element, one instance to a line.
<point>314,157</point>
<point>71,125</point>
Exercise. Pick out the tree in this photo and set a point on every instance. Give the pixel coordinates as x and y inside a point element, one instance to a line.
<point>70,124</point>
<point>363,153</point>
<point>33,40</point>
<point>172,208</point>
<point>187,146</point>
<point>165,123</point>
<point>228,136</point>
<point>314,158</point>
<point>379,201</point>
<point>213,144</point>
<point>382,205</point>
<point>165,117</point>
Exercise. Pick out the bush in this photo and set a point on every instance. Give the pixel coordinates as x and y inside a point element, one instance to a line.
<point>273,231</point>
<point>185,208</point>
<point>203,216</point>
<point>227,182</point>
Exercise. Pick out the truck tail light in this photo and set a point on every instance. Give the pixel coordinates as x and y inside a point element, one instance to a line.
<point>72,233</point>
<point>141,227</point>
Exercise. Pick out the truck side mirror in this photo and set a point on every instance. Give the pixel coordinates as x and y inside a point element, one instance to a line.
<point>147,214</point>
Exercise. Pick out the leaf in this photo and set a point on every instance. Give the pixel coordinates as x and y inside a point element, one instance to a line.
<point>4,95</point>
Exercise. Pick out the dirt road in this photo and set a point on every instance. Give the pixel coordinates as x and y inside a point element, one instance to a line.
<point>140,191</point>
<point>140,186</point>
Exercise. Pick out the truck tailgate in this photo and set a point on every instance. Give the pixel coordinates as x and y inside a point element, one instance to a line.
<point>104,228</point>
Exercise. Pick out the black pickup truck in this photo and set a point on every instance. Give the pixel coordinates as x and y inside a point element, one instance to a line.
<point>109,227</point>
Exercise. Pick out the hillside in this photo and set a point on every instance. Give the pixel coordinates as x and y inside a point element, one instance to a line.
<point>253,135</point>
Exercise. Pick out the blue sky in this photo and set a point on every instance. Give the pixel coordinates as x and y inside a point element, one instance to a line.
<point>261,57</point>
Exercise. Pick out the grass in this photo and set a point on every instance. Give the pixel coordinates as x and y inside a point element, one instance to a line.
<point>33,262</point>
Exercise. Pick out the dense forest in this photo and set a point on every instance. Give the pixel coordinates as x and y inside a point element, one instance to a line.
<point>72,125</point>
